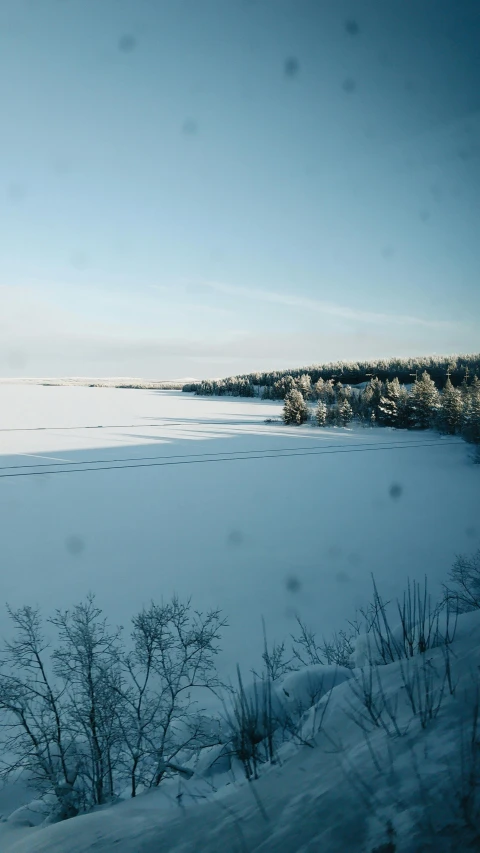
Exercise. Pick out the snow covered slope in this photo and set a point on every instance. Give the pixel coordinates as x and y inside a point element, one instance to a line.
<point>349,790</point>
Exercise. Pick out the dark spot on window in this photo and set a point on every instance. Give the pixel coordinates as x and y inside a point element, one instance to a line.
<point>354,559</point>
<point>352,27</point>
<point>342,577</point>
<point>190,127</point>
<point>127,43</point>
<point>74,544</point>
<point>235,538</point>
<point>424,215</point>
<point>291,67</point>
<point>349,85</point>
<point>470,530</point>
<point>395,491</point>
<point>293,584</point>
<point>388,252</point>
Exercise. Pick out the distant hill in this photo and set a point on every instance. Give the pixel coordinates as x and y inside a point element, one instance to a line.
<point>95,382</point>
<point>349,373</point>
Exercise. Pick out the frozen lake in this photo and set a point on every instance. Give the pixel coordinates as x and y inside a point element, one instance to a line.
<point>199,496</point>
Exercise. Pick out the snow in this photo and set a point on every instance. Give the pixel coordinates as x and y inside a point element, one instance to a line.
<point>337,795</point>
<point>259,519</point>
<point>258,537</point>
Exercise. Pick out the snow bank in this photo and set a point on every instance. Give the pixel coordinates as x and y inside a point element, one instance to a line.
<point>349,792</point>
<point>306,686</point>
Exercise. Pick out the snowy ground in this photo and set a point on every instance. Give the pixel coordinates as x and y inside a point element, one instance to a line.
<point>255,536</point>
<point>343,792</point>
<point>201,497</point>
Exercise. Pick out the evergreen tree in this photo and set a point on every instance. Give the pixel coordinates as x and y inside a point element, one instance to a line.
<point>321,413</point>
<point>404,408</point>
<point>450,414</point>
<point>393,389</point>
<point>282,387</point>
<point>304,385</point>
<point>471,421</point>
<point>328,391</point>
<point>295,410</point>
<point>387,411</point>
<point>333,415</point>
<point>425,401</point>
<point>343,392</point>
<point>345,413</point>
<point>319,389</point>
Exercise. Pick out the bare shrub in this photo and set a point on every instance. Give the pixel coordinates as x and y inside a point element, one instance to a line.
<point>82,718</point>
<point>371,708</point>
<point>464,577</point>
<point>339,650</point>
<point>251,725</point>
<point>419,627</point>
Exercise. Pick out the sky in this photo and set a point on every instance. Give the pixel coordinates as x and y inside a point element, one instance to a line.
<point>193,188</point>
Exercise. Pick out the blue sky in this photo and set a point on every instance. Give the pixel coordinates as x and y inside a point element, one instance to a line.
<point>198,188</point>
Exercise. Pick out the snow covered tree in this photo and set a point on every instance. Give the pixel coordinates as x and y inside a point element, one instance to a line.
<point>343,392</point>
<point>328,391</point>
<point>295,410</point>
<point>450,414</point>
<point>425,402</point>
<point>321,413</point>
<point>283,387</point>
<point>471,419</point>
<point>333,416</point>
<point>304,385</point>
<point>369,399</point>
<point>392,409</point>
<point>319,389</point>
<point>404,408</point>
<point>387,411</point>
<point>345,413</point>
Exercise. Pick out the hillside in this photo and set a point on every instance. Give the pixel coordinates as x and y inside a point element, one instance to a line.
<point>406,785</point>
<point>350,373</point>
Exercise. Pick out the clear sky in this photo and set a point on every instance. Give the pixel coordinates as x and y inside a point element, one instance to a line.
<point>195,188</point>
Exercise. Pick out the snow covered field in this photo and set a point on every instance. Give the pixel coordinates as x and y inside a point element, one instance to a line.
<point>256,518</point>
<point>137,494</point>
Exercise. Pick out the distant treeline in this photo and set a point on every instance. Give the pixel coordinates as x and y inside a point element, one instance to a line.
<point>275,384</point>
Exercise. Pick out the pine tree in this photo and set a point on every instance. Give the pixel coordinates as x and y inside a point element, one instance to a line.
<point>471,420</point>
<point>387,411</point>
<point>321,413</point>
<point>319,389</point>
<point>304,385</point>
<point>333,415</point>
<point>328,391</point>
<point>425,401</point>
<point>345,413</point>
<point>450,415</point>
<point>393,389</point>
<point>295,410</point>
